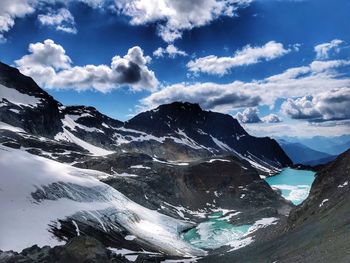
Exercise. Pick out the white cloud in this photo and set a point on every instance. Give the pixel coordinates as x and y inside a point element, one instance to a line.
<point>45,54</point>
<point>62,20</point>
<point>175,16</point>
<point>170,51</point>
<point>9,11</point>
<point>249,115</point>
<point>49,65</point>
<point>271,118</point>
<point>293,83</point>
<point>247,56</point>
<point>299,129</point>
<point>326,106</point>
<point>300,108</point>
<point>323,50</point>
<point>319,66</point>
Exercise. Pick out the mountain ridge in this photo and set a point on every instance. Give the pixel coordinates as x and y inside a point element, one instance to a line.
<point>178,131</point>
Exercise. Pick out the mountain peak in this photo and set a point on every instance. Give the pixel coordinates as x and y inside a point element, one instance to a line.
<point>180,105</point>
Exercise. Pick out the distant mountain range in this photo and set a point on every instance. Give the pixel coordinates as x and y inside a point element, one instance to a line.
<point>301,154</point>
<point>329,145</point>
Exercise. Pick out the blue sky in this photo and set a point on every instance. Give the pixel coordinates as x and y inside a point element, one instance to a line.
<point>280,67</point>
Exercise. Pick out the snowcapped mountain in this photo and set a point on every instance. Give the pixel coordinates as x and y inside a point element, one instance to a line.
<point>176,132</point>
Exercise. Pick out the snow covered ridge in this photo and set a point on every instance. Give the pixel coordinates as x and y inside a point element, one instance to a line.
<point>17,98</point>
<point>32,199</point>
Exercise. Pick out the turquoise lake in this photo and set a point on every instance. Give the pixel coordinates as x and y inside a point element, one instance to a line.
<point>294,184</point>
<point>216,231</point>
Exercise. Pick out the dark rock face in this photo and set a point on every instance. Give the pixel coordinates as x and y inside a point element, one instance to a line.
<point>80,249</point>
<point>43,119</point>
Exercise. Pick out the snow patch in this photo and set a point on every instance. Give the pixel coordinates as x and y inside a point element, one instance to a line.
<point>343,185</point>
<point>5,126</point>
<point>323,202</point>
<point>139,166</point>
<point>18,98</point>
<point>68,136</point>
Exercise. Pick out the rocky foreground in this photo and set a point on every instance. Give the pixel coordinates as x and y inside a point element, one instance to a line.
<point>77,250</point>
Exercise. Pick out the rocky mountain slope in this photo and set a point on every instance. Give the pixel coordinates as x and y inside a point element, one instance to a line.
<point>316,231</point>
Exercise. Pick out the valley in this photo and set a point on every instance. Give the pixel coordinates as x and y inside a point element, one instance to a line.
<point>172,183</point>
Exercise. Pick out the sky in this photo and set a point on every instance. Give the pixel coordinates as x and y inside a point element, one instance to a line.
<point>281,67</point>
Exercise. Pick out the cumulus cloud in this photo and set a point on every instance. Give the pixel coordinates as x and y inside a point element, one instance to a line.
<point>300,108</point>
<point>271,118</point>
<point>61,20</point>
<point>9,11</point>
<point>210,96</point>
<point>247,56</point>
<point>249,115</point>
<point>292,83</point>
<point>45,54</point>
<point>49,65</point>
<point>175,16</point>
<point>326,106</point>
<point>170,51</point>
<point>323,50</point>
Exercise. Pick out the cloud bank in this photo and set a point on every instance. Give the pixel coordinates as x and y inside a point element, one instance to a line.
<point>315,78</point>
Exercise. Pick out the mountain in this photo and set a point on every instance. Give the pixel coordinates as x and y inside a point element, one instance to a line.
<point>333,145</point>
<point>176,132</point>
<point>134,185</point>
<point>301,154</point>
<point>214,132</point>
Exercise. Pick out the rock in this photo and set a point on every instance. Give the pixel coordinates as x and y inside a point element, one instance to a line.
<point>83,249</point>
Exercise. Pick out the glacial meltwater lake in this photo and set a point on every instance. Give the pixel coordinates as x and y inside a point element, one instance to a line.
<point>216,231</point>
<point>294,184</point>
